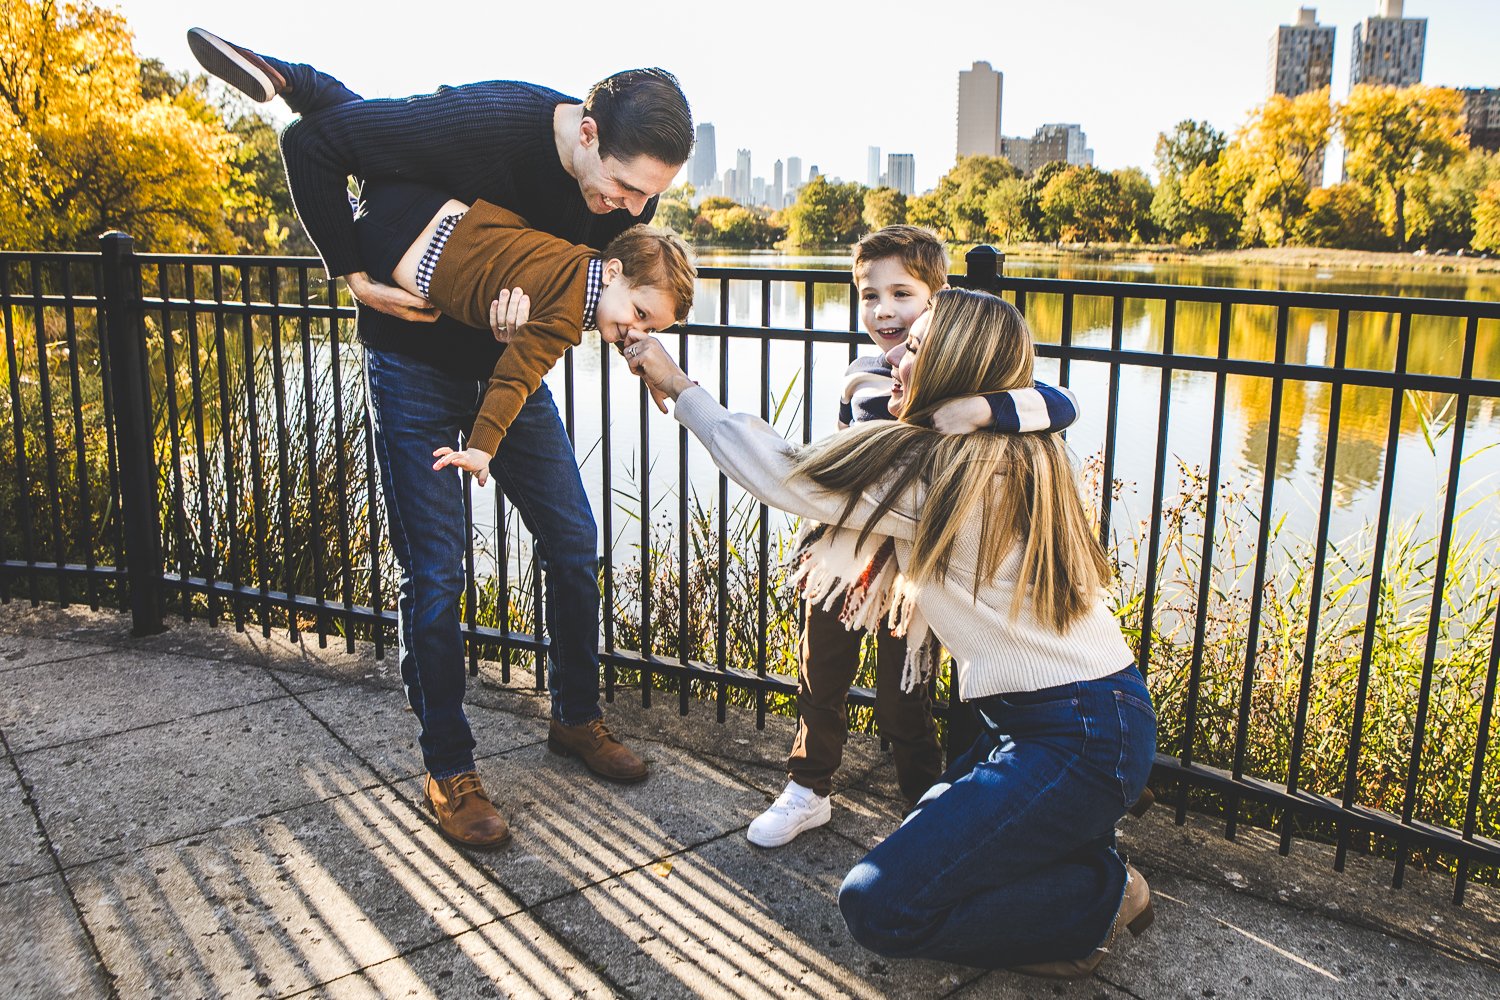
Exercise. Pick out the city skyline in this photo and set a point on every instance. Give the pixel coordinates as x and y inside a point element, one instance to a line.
<point>1130,72</point>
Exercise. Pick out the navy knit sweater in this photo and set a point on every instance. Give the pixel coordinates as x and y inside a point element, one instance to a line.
<point>489,140</point>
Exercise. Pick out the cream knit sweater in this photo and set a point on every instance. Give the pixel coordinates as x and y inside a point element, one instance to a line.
<point>994,653</point>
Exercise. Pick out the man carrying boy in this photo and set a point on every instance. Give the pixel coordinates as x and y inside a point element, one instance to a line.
<point>583,171</point>
<point>896,272</point>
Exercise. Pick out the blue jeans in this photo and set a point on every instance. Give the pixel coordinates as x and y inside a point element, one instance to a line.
<point>1010,858</point>
<point>417,408</point>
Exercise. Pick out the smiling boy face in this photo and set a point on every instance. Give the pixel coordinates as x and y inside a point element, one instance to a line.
<point>890,300</point>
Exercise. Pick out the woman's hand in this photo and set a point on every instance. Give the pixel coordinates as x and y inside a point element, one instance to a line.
<point>650,360</point>
<point>470,459</point>
<point>508,313</point>
<point>963,416</point>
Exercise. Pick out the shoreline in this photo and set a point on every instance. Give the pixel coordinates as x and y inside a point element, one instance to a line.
<point>1292,257</point>
<point>1308,257</point>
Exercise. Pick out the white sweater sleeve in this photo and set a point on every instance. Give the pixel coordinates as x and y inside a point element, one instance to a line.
<point>752,454</point>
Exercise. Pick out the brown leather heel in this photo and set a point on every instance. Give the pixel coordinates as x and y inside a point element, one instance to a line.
<point>1145,802</point>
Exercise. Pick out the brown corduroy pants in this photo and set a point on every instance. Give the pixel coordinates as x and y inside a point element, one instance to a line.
<point>829,663</point>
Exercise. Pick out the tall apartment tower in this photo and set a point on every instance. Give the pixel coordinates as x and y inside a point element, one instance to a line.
<point>778,192</point>
<point>979,91</point>
<point>742,178</point>
<point>705,157</point>
<point>872,167</point>
<point>1388,48</point>
<point>1482,117</point>
<point>1301,56</point>
<point>901,172</point>
<point>793,173</point>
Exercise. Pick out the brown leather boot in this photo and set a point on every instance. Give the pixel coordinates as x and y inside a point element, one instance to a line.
<point>1135,914</point>
<point>600,750</point>
<point>464,812</point>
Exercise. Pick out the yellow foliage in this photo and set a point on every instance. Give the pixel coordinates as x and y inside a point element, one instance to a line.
<point>1271,159</point>
<point>82,151</point>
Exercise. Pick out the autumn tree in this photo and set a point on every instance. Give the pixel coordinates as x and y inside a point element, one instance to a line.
<point>961,193</point>
<point>83,149</point>
<point>1271,159</point>
<point>884,206</point>
<point>1396,138</point>
<point>1440,209</point>
<point>1487,218</point>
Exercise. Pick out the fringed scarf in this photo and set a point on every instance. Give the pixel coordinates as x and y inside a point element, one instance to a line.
<point>829,565</point>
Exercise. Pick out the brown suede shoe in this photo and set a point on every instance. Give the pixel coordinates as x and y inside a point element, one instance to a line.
<point>600,750</point>
<point>1135,914</point>
<point>464,812</point>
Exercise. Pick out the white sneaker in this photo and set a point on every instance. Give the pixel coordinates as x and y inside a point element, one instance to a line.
<point>795,809</point>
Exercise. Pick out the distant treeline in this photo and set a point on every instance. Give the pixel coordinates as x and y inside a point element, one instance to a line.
<point>1411,181</point>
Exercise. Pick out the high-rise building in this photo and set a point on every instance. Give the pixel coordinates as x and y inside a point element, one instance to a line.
<point>872,171</point>
<point>1482,117</point>
<point>705,161</point>
<point>1388,48</point>
<point>1052,143</point>
<point>757,191</point>
<point>793,173</point>
<point>901,172</point>
<point>731,184</point>
<point>979,92</point>
<point>812,173</point>
<point>742,177</point>
<point>778,190</point>
<point>1301,56</point>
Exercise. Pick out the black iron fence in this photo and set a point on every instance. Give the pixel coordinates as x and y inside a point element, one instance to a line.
<point>1315,610</point>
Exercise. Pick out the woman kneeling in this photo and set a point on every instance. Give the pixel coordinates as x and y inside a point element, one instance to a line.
<point>1009,861</point>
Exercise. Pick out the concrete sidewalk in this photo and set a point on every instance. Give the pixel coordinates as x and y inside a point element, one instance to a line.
<point>212,813</point>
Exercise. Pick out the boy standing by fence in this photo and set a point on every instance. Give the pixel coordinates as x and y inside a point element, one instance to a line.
<point>896,272</point>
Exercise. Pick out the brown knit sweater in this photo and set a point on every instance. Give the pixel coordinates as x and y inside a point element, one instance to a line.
<point>492,249</point>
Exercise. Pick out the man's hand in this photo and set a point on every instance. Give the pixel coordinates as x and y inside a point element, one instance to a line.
<point>470,459</point>
<point>389,299</point>
<point>963,416</point>
<point>508,313</point>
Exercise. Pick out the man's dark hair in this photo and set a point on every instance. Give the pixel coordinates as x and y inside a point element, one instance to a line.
<point>641,111</point>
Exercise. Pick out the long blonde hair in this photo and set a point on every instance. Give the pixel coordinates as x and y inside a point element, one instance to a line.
<point>1020,485</point>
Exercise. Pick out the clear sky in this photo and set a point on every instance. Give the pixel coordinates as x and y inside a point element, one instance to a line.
<point>826,81</point>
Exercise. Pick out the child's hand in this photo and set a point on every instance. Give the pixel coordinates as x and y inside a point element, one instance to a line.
<point>963,416</point>
<point>470,459</point>
<point>508,313</point>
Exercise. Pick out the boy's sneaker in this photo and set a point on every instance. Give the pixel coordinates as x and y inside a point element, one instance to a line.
<point>240,68</point>
<point>795,809</point>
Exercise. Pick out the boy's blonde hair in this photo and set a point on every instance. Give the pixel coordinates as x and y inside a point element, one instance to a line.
<point>659,259</point>
<point>919,250</point>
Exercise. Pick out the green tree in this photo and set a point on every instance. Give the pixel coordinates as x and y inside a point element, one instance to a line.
<point>1084,204</point>
<point>1396,138</point>
<point>961,196</point>
<point>674,209</point>
<point>1487,218</point>
<point>1271,159</point>
<point>1136,195</point>
<point>826,214</point>
<point>1005,211</point>
<point>884,206</point>
<point>87,144</point>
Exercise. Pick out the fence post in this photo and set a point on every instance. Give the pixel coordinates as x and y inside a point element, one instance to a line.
<point>985,264</point>
<point>133,434</point>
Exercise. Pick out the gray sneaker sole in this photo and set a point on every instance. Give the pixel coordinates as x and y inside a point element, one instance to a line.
<point>225,62</point>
